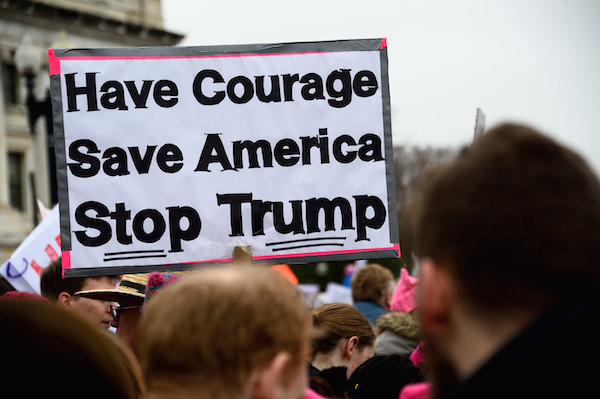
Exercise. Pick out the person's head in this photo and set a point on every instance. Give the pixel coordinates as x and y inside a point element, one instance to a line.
<point>49,349</point>
<point>129,361</point>
<point>344,337</point>
<point>508,230</point>
<point>62,290</point>
<point>383,377</point>
<point>373,283</point>
<point>129,296</point>
<point>227,332</point>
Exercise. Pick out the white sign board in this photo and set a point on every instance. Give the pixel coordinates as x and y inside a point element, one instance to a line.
<point>176,155</point>
<point>23,267</point>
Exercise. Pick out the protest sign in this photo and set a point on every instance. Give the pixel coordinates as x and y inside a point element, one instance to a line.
<point>179,154</point>
<point>23,267</point>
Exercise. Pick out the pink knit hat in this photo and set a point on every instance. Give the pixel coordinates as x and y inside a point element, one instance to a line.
<point>404,298</point>
<point>310,394</point>
<point>418,355</point>
<point>420,390</point>
<point>159,281</point>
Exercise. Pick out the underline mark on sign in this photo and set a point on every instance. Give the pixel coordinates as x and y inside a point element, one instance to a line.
<point>333,243</point>
<point>112,256</point>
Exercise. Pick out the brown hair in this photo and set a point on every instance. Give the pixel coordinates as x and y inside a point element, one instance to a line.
<point>52,282</point>
<point>133,370</point>
<point>70,353</point>
<point>212,329</point>
<point>370,283</point>
<point>516,221</point>
<point>336,321</point>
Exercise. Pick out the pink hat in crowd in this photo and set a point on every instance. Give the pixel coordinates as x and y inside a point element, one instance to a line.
<point>310,394</point>
<point>159,281</point>
<point>420,390</point>
<point>404,298</point>
<point>23,295</point>
<point>418,355</point>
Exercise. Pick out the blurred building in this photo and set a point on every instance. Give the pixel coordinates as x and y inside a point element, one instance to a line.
<point>27,29</point>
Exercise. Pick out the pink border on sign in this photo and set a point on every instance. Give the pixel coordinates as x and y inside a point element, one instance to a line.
<point>66,261</point>
<point>396,246</point>
<point>349,251</point>
<point>54,62</point>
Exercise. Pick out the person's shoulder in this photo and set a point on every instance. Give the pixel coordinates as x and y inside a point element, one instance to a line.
<point>312,370</point>
<point>371,308</point>
<point>373,311</point>
<point>401,323</point>
<point>547,359</point>
<point>391,343</point>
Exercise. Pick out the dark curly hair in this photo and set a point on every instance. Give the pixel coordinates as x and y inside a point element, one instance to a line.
<point>382,377</point>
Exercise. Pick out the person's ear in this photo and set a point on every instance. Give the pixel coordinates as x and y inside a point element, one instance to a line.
<point>268,379</point>
<point>65,299</point>
<point>435,297</point>
<point>388,299</point>
<point>350,347</point>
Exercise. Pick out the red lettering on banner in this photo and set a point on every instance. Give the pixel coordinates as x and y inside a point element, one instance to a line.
<point>57,239</point>
<point>36,267</point>
<point>51,253</point>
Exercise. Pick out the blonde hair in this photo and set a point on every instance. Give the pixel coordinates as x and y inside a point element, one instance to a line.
<point>211,330</point>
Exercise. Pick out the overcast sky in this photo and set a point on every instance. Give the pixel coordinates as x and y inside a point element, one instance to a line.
<point>530,61</point>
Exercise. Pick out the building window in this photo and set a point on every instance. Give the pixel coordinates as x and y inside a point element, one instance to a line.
<point>16,184</point>
<point>9,84</point>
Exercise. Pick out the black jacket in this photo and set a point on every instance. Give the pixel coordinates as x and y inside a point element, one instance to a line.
<point>556,357</point>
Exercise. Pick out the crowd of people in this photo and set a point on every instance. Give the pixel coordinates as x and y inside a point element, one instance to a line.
<point>506,304</point>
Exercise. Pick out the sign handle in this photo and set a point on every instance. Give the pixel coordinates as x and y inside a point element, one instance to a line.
<point>242,255</point>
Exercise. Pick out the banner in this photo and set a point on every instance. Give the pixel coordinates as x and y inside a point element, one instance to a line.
<point>23,267</point>
<point>178,154</point>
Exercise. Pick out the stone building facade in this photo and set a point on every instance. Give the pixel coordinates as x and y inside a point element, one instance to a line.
<point>25,175</point>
